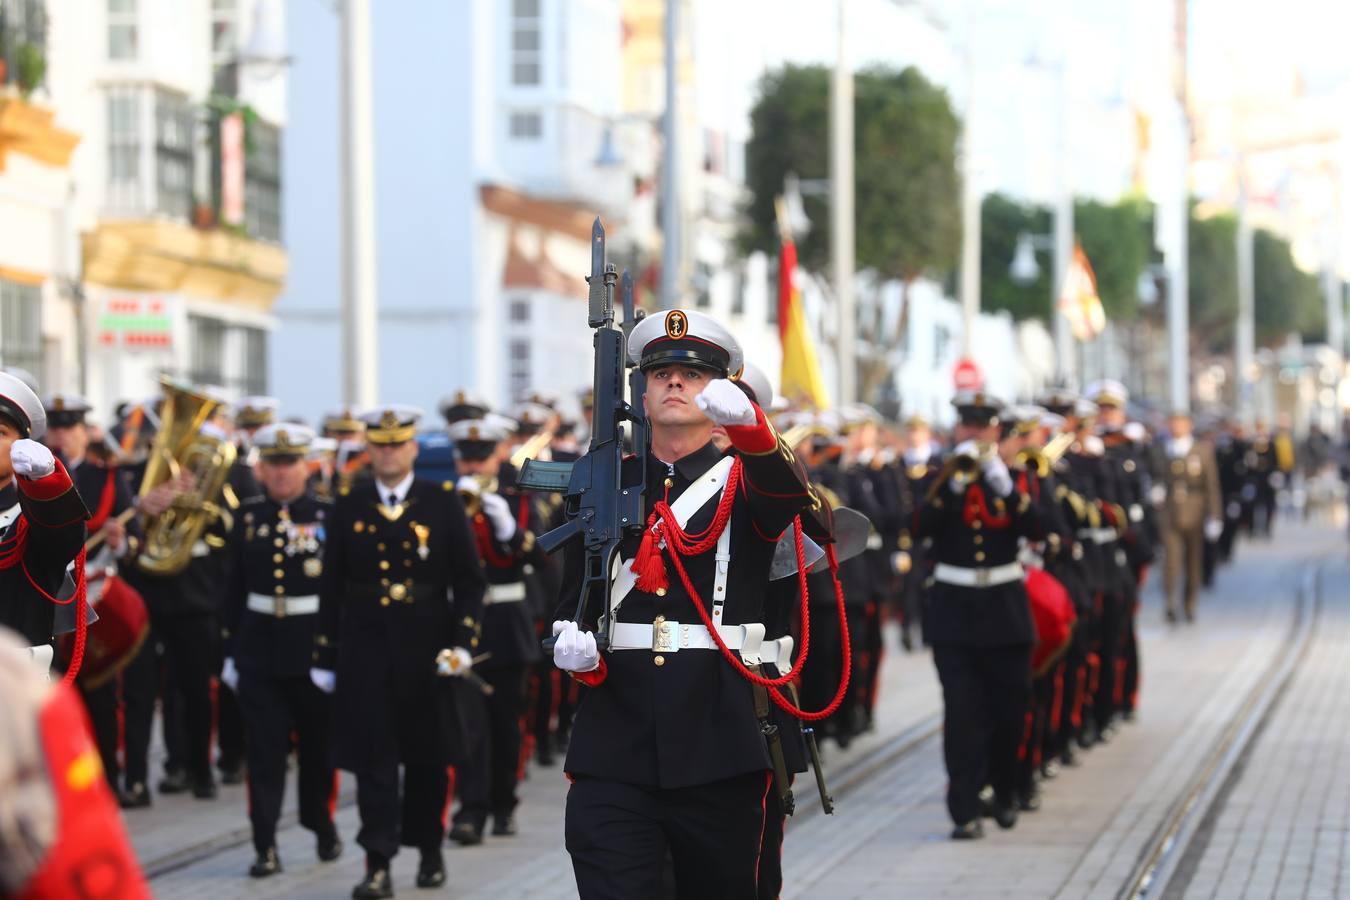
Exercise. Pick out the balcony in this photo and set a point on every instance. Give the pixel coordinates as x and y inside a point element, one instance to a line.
<point>27,128</point>
<point>170,257</point>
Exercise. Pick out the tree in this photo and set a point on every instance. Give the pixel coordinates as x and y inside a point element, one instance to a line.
<point>907,189</point>
<point>1285,297</point>
<point>1116,240</point>
<point>1212,270</point>
<point>1002,219</point>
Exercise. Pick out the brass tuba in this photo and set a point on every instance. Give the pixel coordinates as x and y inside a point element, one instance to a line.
<point>180,446</point>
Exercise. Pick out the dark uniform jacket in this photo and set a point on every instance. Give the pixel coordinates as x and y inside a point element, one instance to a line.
<point>275,550</point>
<point>687,718</point>
<point>510,634</point>
<point>56,517</point>
<point>990,616</point>
<point>396,590</point>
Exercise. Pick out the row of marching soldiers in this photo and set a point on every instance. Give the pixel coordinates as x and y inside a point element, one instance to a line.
<point>1018,556</point>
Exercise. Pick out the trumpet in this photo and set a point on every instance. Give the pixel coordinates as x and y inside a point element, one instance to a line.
<point>1043,459</point>
<point>966,464</point>
<point>472,498</point>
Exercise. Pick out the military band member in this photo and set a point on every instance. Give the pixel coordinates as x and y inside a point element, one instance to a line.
<point>102,485</point>
<point>503,521</point>
<point>350,464</point>
<point>271,612</point>
<point>979,619</point>
<point>1190,509</point>
<point>920,463</point>
<point>401,581</point>
<point>41,520</point>
<point>667,752</point>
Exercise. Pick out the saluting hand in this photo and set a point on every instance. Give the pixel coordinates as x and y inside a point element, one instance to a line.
<point>726,404</point>
<point>498,512</point>
<point>31,459</point>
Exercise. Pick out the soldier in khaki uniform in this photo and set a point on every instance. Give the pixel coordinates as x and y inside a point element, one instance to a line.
<point>1190,508</point>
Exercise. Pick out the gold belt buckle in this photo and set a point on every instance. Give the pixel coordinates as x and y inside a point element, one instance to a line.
<point>665,635</point>
<point>279,606</point>
<point>982,578</point>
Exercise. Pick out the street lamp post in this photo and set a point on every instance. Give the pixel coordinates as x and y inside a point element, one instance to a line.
<point>360,383</point>
<point>842,247</point>
<point>671,268</point>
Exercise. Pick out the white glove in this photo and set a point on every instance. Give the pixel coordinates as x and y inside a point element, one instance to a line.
<point>229,674</point>
<point>467,484</point>
<point>1213,530</point>
<point>324,679</point>
<point>455,662</point>
<point>575,650</point>
<point>997,475</point>
<point>498,512</point>
<point>1158,494</point>
<point>31,459</point>
<point>726,404</point>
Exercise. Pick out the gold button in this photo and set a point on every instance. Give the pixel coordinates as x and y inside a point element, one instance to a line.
<point>407,564</point>
<point>977,524</point>
<point>407,545</point>
<point>398,591</point>
<point>280,591</point>
<point>979,557</point>
<point>670,483</point>
<point>279,573</point>
<point>660,592</point>
<point>277,557</point>
<point>659,660</point>
<point>279,542</point>
<point>658,621</point>
<point>978,540</point>
<point>384,565</point>
<point>380,546</point>
<point>384,601</point>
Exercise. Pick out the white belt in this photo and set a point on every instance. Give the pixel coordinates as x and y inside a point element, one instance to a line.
<point>504,593</point>
<point>281,607</point>
<point>663,636</point>
<point>989,576</point>
<point>1098,535</point>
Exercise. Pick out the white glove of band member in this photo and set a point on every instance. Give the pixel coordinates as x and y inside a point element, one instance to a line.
<point>31,460</point>
<point>229,674</point>
<point>1213,529</point>
<point>324,679</point>
<point>498,512</point>
<point>575,650</point>
<point>455,662</point>
<point>726,404</point>
<point>997,475</point>
<point>1158,494</point>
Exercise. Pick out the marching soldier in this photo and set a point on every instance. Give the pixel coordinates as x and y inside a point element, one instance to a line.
<point>668,753</point>
<point>101,484</point>
<point>979,619</point>
<point>41,521</point>
<point>401,580</point>
<point>921,464</point>
<point>271,612</point>
<point>1186,491</point>
<point>504,522</point>
<point>350,463</point>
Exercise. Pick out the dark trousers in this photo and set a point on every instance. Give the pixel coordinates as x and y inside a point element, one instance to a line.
<point>985,692</point>
<point>229,728</point>
<point>191,659</point>
<point>487,782</point>
<point>1110,651</point>
<point>140,688</point>
<point>771,847</point>
<point>273,709</point>
<point>101,704</point>
<point>619,834</point>
<point>416,818</point>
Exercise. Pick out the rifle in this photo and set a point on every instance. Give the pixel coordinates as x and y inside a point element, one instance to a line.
<point>599,508</point>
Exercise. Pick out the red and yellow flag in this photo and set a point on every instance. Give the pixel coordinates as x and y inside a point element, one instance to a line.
<point>799,380</point>
<point>1079,301</point>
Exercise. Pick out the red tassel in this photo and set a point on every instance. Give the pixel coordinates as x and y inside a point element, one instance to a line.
<point>648,565</point>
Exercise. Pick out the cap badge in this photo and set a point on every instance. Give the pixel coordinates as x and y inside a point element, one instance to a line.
<point>677,325</point>
<point>389,419</point>
<point>473,433</point>
<point>59,403</point>
<point>283,438</point>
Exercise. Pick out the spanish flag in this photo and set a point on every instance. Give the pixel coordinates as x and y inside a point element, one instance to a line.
<point>799,380</point>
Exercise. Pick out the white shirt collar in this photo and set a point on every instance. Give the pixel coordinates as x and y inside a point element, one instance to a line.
<point>400,490</point>
<point>1182,445</point>
<point>918,454</point>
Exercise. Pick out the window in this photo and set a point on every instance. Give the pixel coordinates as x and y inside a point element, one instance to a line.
<point>122,30</point>
<point>206,341</point>
<point>124,149</point>
<point>174,127</point>
<point>262,183</point>
<point>21,326</point>
<point>520,310</point>
<point>526,126</point>
<point>224,29</point>
<point>21,22</point>
<point>253,343</point>
<point>526,43</point>
<point>520,368</point>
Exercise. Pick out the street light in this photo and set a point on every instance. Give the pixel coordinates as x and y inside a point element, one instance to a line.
<point>1024,269</point>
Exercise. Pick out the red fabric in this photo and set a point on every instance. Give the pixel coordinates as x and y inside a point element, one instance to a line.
<point>594,677</point>
<point>48,487</point>
<point>92,856</point>
<point>487,547</point>
<point>11,555</point>
<point>105,501</point>
<point>1052,611</point>
<point>977,509</point>
<point>756,439</point>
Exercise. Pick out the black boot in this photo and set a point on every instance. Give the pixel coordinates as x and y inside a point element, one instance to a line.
<point>330,845</point>
<point>376,885</point>
<point>431,870</point>
<point>969,831</point>
<point>136,796</point>
<point>467,833</point>
<point>175,781</point>
<point>267,863</point>
<point>204,788</point>
<point>231,772</point>
<point>504,824</point>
